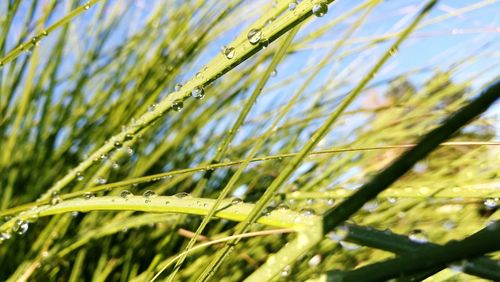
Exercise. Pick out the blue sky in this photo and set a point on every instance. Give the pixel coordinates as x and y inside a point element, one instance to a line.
<point>471,36</point>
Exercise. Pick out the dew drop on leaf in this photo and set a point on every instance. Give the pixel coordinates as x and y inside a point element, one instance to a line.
<point>177,105</point>
<point>20,227</point>
<point>177,87</point>
<point>292,5</point>
<point>307,212</point>
<point>315,260</point>
<point>449,224</point>
<point>458,266</point>
<point>393,52</point>
<point>286,271</point>
<point>125,194</point>
<point>392,200</point>
<point>181,195</point>
<point>349,246</point>
<point>283,207</point>
<point>5,236</point>
<point>149,194</point>
<point>418,236</point>
<point>267,211</point>
<point>55,199</point>
<point>100,180</point>
<point>490,203</point>
<point>152,107</point>
<point>88,195</point>
<point>264,42</point>
<point>370,206</point>
<point>236,200</point>
<point>320,9</point>
<point>130,151</point>
<point>79,176</point>
<point>228,52</point>
<point>339,233</point>
<point>254,36</point>
<point>198,93</point>
<point>115,165</point>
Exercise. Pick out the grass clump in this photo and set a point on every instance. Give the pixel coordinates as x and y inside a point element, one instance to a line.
<point>135,148</point>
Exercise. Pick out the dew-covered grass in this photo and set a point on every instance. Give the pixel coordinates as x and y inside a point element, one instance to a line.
<point>249,140</point>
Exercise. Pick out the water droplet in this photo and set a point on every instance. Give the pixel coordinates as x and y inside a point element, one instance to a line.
<point>339,233</point>
<point>254,36</point>
<point>5,236</point>
<point>315,260</point>
<point>181,195</point>
<point>264,42</point>
<point>274,73</point>
<point>228,52</point>
<point>74,214</point>
<point>177,105</point>
<point>418,236</point>
<point>87,6</point>
<point>118,144</point>
<point>149,194</point>
<point>79,176</point>
<point>320,9</point>
<point>125,194</point>
<point>490,203</point>
<point>115,165</point>
<point>292,5</point>
<point>130,151</point>
<point>286,271</point>
<point>392,200</point>
<point>198,75</point>
<point>458,266</point>
<point>449,224</point>
<point>103,157</point>
<point>100,180</point>
<point>349,246</point>
<point>198,93</point>
<point>307,212</point>
<point>393,52</point>
<point>370,206</point>
<point>283,207</point>
<point>88,195</point>
<point>330,202</point>
<point>267,211</point>
<point>20,227</point>
<point>45,33</point>
<point>492,225</point>
<point>152,107</point>
<point>177,87</point>
<point>55,199</point>
<point>128,137</point>
<point>35,40</point>
<point>236,200</point>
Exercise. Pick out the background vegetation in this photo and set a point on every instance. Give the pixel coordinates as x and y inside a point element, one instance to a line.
<point>182,102</point>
